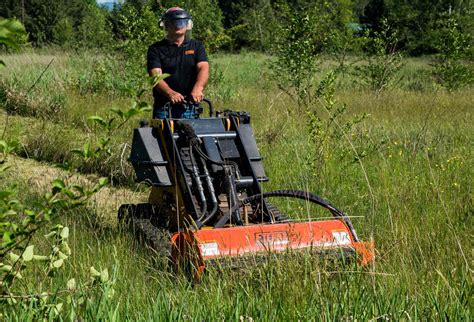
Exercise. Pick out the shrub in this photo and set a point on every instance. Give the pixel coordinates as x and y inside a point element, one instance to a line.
<point>451,67</point>
<point>383,60</point>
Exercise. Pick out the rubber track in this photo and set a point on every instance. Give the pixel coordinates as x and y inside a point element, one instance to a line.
<point>158,239</point>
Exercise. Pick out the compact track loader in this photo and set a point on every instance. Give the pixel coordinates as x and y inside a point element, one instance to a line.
<point>206,202</point>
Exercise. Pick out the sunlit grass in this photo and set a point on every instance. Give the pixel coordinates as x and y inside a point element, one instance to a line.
<point>412,195</point>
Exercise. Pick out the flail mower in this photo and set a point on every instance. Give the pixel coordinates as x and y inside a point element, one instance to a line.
<point>206,202</point>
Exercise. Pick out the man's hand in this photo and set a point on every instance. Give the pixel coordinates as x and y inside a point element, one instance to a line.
<point>197,94</point>
<point>175,97</point>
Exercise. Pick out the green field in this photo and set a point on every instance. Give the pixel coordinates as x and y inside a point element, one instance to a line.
<point>405,174</point>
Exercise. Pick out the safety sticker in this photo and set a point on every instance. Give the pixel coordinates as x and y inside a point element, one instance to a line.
<point>341,238</point>
<point>210,249</point>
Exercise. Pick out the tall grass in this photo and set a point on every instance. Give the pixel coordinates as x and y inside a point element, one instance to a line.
<point>412,195</point>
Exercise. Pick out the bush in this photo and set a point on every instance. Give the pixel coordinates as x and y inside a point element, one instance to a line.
<point>295,63</point>
<point>383,60</point>
<point>452,68</point>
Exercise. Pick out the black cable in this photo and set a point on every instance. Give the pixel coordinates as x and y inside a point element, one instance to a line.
<point>308,196</point>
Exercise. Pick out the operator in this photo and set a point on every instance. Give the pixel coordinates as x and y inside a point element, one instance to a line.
<point>184,59</point>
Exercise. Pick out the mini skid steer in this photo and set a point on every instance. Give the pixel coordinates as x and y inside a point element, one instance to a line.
<point>206,202</point>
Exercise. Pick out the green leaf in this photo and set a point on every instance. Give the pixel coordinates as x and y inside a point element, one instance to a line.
<point>99,120</point>
<point>61,255</point>
<point>8,268</point>
<point>28,253</point>
<point>14,257</point>
<point>58,307</point>
<point>118,112</point>
<point>64,233</point>
<point>104,275</point>
<point>66,249</point>
<point>58,263</point>
<point>40,258</point>
<point>71,284</point>
<point>7,237</point>
<point>103,181</point>
<point>58,185</point>
<point>94,272</point>
<point>79,189</point>
<point>51,234</point>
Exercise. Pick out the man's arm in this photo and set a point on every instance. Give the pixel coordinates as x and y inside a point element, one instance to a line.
<point>164,88</point>
<point>201,81</point>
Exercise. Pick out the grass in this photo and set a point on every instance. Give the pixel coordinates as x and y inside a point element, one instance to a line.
<point>414,193</point>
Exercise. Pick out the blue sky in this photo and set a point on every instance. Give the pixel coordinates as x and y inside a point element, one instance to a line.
<point>102,1</point>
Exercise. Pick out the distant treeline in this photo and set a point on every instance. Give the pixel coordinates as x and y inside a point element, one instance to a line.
<point>237,24</point>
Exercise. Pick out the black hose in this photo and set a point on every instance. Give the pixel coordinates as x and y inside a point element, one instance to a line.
<point>198,181</point>
<point>308,196</point>
<point>210,186</point>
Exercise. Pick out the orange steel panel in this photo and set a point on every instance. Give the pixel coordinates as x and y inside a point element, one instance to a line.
<point>240,240</point>
<point>198,246</point>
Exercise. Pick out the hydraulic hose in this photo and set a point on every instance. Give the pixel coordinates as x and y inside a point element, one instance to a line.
<point>210,186</point>
<point>198,181</point>
<point>308,196</point>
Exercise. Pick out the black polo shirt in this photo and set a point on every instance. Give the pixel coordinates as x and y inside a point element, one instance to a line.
<point>178,61</point>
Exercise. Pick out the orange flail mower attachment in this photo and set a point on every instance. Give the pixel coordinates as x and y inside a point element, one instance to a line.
<point>208,244</point>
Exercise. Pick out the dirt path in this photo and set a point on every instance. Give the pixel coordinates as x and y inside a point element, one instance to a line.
<point>38,176</point>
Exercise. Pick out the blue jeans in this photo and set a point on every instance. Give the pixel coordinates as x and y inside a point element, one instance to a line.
<point>178,111</point>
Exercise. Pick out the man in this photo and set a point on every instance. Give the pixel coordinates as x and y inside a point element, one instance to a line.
<point>184,59</point>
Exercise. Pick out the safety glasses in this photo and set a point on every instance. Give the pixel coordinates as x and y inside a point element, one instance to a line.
<point>179,23</point>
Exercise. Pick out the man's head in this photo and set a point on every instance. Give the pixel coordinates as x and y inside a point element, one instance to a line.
<point>176,20</point>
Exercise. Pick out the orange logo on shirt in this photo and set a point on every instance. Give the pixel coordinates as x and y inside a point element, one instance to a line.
<point>189,52</point>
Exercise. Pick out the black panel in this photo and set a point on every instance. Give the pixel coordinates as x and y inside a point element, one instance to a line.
<point>206,126</point>
<point>147,157</point>
<point>228,149</point>
<point>250,145</point>
<point>212,151</point>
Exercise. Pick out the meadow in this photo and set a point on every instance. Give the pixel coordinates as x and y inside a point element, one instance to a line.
<point>404,173</point>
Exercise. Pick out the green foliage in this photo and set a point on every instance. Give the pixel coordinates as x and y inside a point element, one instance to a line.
<point>383,60</point>
<point>94,30</point>
<point>12,34</point>
<point>107,75</point>
<point>136,30</point>
<point>97,152</point>
<point>255,26</point>
<point>295,63</point>
<point>327,124</point>
<point>415,21</point>
<point>453,67</point>
<point>19,225</point>
<point>208,27</point>
<point>63,32</point>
